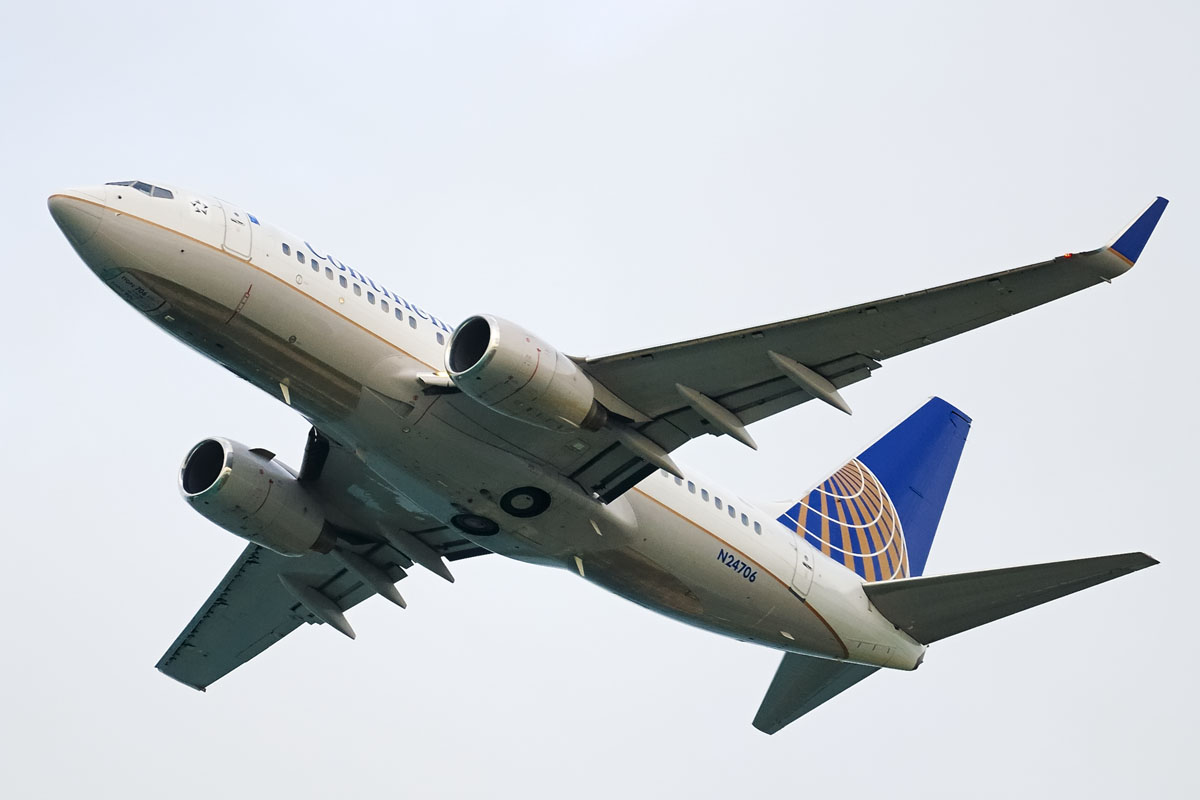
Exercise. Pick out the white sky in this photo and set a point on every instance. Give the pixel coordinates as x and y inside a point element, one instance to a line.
<point>610,178</point>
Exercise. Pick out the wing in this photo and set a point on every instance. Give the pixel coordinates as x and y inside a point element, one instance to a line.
<point>266,596</point>
<point>670,394</point>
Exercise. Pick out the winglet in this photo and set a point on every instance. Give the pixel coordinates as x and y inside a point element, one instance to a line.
<point>1129,244</point>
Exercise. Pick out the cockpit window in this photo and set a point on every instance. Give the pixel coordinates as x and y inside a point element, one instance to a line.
<point>145,188</point>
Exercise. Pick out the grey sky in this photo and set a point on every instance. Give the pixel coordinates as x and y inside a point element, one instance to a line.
<point>610,178</point>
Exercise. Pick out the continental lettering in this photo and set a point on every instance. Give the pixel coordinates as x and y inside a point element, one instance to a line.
<point>363,278</point>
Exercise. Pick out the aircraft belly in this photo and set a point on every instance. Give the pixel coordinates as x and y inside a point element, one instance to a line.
<point>683,571</point>
<point>634,546</point>
<point>453,474</point>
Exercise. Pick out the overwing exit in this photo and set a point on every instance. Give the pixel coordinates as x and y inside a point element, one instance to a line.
<point>432,443</point>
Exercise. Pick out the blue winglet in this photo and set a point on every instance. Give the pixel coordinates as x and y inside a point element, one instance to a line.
<point>1130,243</point>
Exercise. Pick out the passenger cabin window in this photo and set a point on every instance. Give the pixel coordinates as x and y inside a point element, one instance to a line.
<point>358,289</point>
<point>745,520</point>
<point>757,527</point>
<point>679,481</point>
<point>287,249</point>
<point>412,323</point>
<point>371,298</point>
<point>717,501</point>
<point>399,314</point>
<point>732,512</point>
<point>300,256</point>
<point>691,487</point>
<point>342,281</point>
<point>329,273</point>
<point>704,495</point>
<point>383,304</point>
<point>441,339</point>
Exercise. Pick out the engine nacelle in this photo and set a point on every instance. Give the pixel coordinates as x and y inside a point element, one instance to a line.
<point>250,494</point>
<point>517,374</point>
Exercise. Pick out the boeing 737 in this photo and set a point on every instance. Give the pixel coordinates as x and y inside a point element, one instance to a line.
<point>432,443</point>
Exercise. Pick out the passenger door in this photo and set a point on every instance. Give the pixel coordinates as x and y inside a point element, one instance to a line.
<point>238,233</point>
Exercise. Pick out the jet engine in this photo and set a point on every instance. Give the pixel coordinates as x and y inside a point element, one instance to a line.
<point>517,374</point>
<point>250,494</point>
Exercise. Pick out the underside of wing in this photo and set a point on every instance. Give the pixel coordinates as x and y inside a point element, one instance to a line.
<point>367,510</point>
<point>252,608</point>
<point>265,595</point>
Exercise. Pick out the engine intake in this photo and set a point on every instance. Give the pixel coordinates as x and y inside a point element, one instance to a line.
<point>251,495</point>
<point>515,373</point>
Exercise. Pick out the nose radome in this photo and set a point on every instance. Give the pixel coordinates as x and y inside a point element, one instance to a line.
<point>78,212</point>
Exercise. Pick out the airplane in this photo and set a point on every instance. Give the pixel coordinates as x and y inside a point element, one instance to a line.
<point>432,443</point>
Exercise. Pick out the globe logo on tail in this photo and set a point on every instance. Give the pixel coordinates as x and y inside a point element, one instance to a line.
<point>851,519</point>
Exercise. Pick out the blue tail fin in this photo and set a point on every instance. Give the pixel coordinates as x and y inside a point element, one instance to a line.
<point>878,514</point>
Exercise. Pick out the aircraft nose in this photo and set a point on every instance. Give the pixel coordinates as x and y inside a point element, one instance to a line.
<point>78,212</point>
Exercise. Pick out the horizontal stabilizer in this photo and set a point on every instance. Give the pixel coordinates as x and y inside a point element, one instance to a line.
<point>933,608</point>
<point>801,684</point>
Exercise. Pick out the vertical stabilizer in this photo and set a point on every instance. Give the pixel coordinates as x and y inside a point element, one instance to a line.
<point>878,514</point>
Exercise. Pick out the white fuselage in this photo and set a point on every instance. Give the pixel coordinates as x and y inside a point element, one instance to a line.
<point>346,352</point>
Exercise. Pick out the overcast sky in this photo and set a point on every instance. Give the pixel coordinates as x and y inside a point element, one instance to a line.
<point>612,176</point>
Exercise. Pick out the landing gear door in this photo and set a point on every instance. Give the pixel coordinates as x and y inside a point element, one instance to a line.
<point>238,233</point>
<point>803,577</point>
